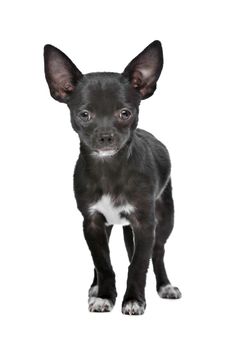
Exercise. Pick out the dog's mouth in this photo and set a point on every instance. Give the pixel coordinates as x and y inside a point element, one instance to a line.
<point>105,152</point>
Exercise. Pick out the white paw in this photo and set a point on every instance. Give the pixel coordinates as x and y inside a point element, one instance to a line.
<point>99,305</point>
<point>132,307</point>
<point>169,292</point>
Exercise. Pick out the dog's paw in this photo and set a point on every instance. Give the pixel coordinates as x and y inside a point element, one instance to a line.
<point>133,307</point>
<point>99,305</point>
<point>169,292</point>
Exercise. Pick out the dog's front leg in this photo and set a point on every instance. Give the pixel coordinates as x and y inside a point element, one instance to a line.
<point>104,296</point>
<point>134,300</point>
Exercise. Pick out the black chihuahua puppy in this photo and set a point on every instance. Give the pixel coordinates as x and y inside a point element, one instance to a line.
<point>122,175</point>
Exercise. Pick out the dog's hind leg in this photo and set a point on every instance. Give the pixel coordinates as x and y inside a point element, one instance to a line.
<point>165,222</point>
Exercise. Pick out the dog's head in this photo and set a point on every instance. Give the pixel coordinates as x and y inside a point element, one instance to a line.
<point>104,106</point>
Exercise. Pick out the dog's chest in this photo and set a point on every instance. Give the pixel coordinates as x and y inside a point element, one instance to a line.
<point>113,213</point>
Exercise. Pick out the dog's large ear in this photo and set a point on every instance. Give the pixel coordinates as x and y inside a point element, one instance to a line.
<point>144,70</point>
<point>60,72</point>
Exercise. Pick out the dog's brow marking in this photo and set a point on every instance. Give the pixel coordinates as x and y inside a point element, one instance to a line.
<point>106,207</point>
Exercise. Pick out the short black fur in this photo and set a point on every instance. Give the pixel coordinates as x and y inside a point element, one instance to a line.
<point>118,161</point>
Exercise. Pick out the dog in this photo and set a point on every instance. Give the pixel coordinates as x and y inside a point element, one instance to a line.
<point>122,175</point>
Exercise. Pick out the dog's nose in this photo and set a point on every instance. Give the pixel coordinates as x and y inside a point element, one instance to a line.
<point>106,139</point>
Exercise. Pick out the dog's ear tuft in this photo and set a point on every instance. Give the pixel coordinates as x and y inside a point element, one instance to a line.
<point>60,72</point>
<point>144,70</point>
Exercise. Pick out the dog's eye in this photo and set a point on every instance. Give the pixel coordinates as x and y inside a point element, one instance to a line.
<point>85,116</point>
<point>125,114</point>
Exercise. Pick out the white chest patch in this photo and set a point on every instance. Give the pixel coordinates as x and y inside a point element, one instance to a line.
<point>112,213</point>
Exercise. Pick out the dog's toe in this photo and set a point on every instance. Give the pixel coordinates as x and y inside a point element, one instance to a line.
<point>133,307</point>
<point>169,292</point>
<point>99,305</point>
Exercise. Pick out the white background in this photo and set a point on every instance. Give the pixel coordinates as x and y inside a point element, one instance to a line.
<point>46,268</point>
